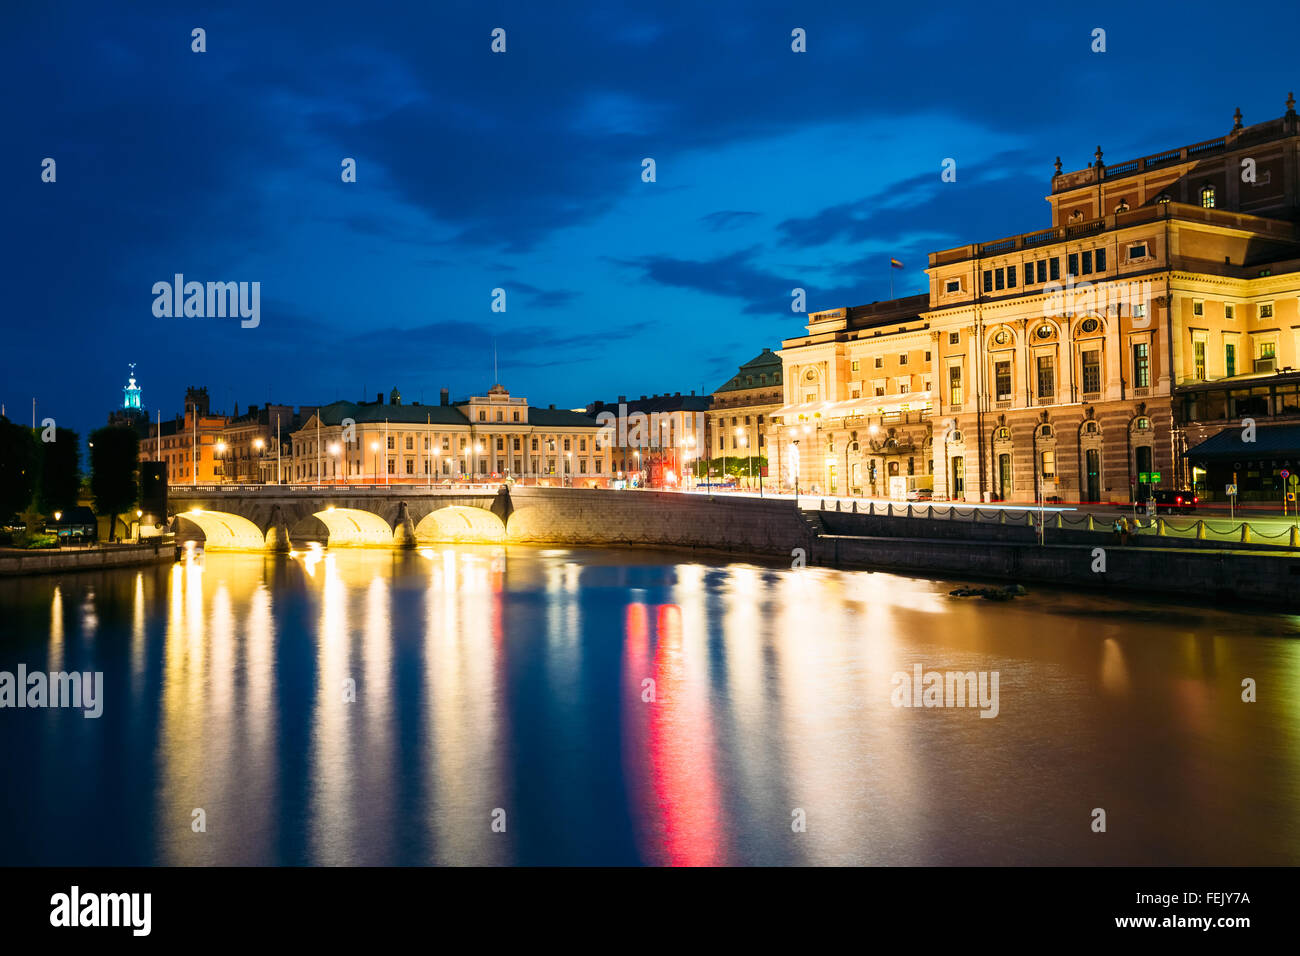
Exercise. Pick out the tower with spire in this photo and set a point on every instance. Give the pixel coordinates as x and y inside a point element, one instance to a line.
<point>131,411</point>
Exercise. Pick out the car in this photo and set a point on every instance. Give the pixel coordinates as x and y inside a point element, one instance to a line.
<point>1170,501</point>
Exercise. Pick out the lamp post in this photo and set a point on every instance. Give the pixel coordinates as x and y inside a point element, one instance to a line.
<point>478,450</point>
<point>335,449</point>
<point>374,448</point>
<point>568,473</point>
<point>259,445</point>
<point>795,463</point>
<point>437,453</point>
<point>220,449</point>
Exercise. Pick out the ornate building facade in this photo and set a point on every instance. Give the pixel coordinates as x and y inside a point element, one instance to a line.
<point>1058,359</point>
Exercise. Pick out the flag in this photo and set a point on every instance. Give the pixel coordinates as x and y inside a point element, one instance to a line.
<point>894,263</point>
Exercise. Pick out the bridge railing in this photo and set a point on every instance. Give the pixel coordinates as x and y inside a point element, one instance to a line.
<point>180,491</point>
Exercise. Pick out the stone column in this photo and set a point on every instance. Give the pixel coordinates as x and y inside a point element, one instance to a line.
<point>403,528</point>
<point>277,535</point>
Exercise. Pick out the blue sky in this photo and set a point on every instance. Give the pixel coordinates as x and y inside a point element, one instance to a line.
<point>522,171</point>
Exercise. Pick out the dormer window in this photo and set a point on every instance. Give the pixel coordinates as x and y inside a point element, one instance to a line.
<point>953,285</point>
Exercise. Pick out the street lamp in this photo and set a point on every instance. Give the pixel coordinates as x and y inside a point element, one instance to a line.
<point>568,475</point>
<point>220,449</point>
<point>259,445</point>
<point>478,450</point>
<point>374,447</point>
<point>334,450</point>
<point>437,453</point>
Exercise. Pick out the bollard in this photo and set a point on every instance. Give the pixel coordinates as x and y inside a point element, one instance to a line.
<point>909,511</point>
<point>889,510</point>
<point>1160,527</point>
<point>871,508</point>
<point>1029,519</point>
<point>837,505</point>
<point>1002,516</point>
<point>1092,525</point>
<point>822,506</point>
<point>1245,532</point>
<point>1200,530</point>
<point>855,507</point>
<point>1059,523</point>
<point>1295,537</point>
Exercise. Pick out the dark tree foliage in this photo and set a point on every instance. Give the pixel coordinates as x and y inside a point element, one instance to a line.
<point>114,458</point>
<point>19,463</point>
<point>59,482</point>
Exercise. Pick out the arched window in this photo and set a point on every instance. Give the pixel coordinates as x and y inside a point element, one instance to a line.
<point>1002,434</point>
<point>1207,197</point>
<point>1142,424</point>
<point>956,436</point>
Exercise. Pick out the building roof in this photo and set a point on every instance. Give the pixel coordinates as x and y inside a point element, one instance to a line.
<point>1271,441</point>
<point>560,418</point>
<point>766,362</point>
<point>656,403</point>
<point>458,414</point>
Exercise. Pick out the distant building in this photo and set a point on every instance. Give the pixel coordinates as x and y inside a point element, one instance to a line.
<point>492,437</point>
<point>190,444</point>
<point>131,412</point>
<point>654,439</point>
<point>739,416</point>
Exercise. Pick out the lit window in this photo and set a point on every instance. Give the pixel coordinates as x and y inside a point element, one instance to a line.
<point>1207,197</point>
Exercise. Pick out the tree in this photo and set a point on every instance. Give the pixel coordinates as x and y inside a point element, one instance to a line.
<point>19,461</point>
<point>114,457</point>
<point>59,481</point>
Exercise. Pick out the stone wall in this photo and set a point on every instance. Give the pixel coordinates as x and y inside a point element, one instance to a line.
<point>54,561</point>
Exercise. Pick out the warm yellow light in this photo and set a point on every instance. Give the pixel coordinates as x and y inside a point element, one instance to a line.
<point>329,508</point>
<point>374,446</point>
<point>58,516</point>
<point>259,444</point>
<point>437,451</point>
<point>195,510</point>
<point>221,446</point>
<point>334,448</point>
<point>478,449</point>
<point>139,513</point>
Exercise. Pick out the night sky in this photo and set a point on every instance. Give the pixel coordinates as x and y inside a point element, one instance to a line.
<point>523,171</point>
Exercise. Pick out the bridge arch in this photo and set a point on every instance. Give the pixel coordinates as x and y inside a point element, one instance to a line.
<point>352,527</point>
<point>224,531</point>
<point>461,524</point>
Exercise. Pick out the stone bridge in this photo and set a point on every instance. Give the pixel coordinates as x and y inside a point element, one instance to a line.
<point>280,517</point>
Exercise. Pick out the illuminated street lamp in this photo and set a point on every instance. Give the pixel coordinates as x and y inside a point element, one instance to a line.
<point>260,446</point>
<point>374,447</point>
<point>335,449</point>
<point>220,448</point>
<point>568,475</point>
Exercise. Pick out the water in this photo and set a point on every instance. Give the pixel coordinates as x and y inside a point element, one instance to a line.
<point>511,679</point>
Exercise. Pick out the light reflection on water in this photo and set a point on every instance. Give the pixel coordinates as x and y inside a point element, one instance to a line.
<point>372,707</point>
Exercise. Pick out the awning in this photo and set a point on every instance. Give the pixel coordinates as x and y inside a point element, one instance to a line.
<point>1271,441</point>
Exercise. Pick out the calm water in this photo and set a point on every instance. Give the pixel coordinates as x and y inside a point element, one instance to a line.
<point>512,679</point>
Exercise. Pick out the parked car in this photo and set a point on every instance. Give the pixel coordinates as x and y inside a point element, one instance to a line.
<point>1170,501</point>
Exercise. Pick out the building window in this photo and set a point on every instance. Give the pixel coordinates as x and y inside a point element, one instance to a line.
<point>954,385</point>
<point>1267,360</point>
<point>1041,266</point>
<point>853,366</point>
<point>566,444</point>
<point>988,280</point>
<point>1137,251</point>
<point>501,444</point>
<point>1198,307</point>
<point>1229,312</point>
<point>392,466</point>
<point>1073,264</point>
<point>958,478</point>
<point>953,285</point>
<point>482,415</point>
<point>1002,375</point>
<point>1141,366</point>
<point>880,362</point>
<point>1054,268</point>
<point>927,355</point>
<point>1198,359</point>
<point>410,443</point>
<point>1266,310</point>
<point>997,279</point>
<point>1029,272</point>
<point>1087,263</point>
<point>410,466</point>
<point>582,444</point>
<point>1046,378</point>
<point>880,390</point>
<point>1101,259</point>
<point>1091,371</point>
<point>1049,463</point>
<point>1230,359</point>
<point>902,359</point>
<point>1207,197</point>
<point>516,416</point>
<point>1139,310</point>
<point>953,339</point>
